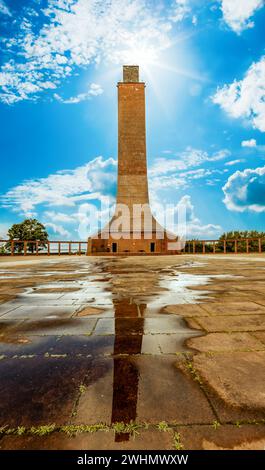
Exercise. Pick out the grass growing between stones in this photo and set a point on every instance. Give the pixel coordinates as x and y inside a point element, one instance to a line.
<point>163,426</point>
<point>73,430</point>
<point>177,442</point>
<point>42,430</point>
<point>216,425</point>
<point>193,372</point>
<point>128,428</point>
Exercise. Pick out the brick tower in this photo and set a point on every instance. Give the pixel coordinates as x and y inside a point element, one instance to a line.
<point>139,232</point>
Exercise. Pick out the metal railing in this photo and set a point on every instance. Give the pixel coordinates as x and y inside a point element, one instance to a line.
<point>36,247</point>
<point>69,247</point>
<point>225,246</point>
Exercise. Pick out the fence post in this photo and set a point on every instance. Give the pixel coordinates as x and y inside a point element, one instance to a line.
<point>224,247</point>
<point>247,245</point>
<point>259,245</point>
<point>79,248</point>
<point>12,248</point>
<point>37,247</point>
<point>203,247</point>
<point>214,248</point>
<point>236,247</point>
<point>194,248</point>
<point>69,248</point>
<point>25,248</point>
<point>59,248</point>
<point>49,252</point>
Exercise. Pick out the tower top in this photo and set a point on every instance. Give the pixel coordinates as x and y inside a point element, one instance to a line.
<point>130,73</point>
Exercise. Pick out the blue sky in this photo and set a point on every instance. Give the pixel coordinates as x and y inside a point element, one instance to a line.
<point>204,67</point>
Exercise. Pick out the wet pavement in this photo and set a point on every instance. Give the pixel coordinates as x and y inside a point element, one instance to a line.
<point>142,352</point>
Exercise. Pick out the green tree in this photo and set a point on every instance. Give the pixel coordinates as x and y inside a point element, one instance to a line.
<point>242,245</point>
<point>29,229</point>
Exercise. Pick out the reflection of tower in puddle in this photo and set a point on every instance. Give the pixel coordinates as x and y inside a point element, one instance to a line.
<point>129,324</point>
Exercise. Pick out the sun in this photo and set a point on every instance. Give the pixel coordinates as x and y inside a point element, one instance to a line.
<point>143,56</point>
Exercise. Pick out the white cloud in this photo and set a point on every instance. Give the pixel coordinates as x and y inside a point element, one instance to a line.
<point>93,90</point>
<point>245,190</point>
<point>75,34</point>
<point>194,20</point>
<point>249,143</point>
<point>4,8</point>
<point>189,158</point>
<point>4,227</point>
<point>238,13</point>
<point>167,182</point>
<point>181,9</point>
<point>234,162</point>
<point>60,217</point>
<point>57,229</point>
<point>64,188</point>
<point>193,227</point>
<point>246,98</point>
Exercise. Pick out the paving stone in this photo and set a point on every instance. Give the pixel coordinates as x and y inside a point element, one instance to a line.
<point>150,344</point>
<point>59,290</point>
<point>189,310</point>
<point>217,342</point>
<point>84,312</point>
<point>166,393</point>
<point>100,440</point>
<point>6,307</point>
<point>225,437</point>
<point>18,345</point>
<point>260,335</point>
<point>234,308</point>
<point>95,403</point>
<point>165,325</point>
<point>228,323</point>
<point>75,345</point>
<point>64,326</point>
<point>39,312</point>
<point>40,300</point>
<point>39,390</point>
<point>235,383</point>
<point>174,343</point>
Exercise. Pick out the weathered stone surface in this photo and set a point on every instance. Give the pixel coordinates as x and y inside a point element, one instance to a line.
<point>187,310</point>
<point>260,335</point>
<point>174,343</point>
<point>95,403</point>
<point>39,390</point>
<point>229,437</point>
<point>85,312</point>
<point>67,326</point>
<point>218,342</point>
<point>238,380</point>
<point>234,308</point>
<point>82,345</point>
<point>40,312</point>
<point>166,393</point>
<point>228,323</point>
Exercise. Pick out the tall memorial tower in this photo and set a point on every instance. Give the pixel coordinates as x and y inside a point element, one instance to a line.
<point>132,229</point>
